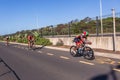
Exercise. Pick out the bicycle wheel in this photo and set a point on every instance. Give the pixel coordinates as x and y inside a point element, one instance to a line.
<point>88,53</point>
<point>73,52</point>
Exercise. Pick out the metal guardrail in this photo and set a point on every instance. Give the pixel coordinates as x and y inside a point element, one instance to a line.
<point>91,35</point>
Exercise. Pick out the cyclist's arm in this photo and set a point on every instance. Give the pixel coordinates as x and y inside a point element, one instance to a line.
<point>86,41</point>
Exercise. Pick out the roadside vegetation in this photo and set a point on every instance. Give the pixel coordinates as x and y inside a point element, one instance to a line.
<point>73,27</point>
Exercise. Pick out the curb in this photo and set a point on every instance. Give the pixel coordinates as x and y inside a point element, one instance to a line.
<point>115,56</point>
<point>63,49</point>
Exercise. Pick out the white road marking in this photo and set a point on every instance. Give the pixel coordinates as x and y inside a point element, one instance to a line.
<point>40,51</point>
<point>50,54</point>
<point>15,46</point>
<point>22,47</point>
<point>86,62</point>
<point>118,70</point>
<point>19,47</point>
<point>63,57</point>
<point>26,48</point>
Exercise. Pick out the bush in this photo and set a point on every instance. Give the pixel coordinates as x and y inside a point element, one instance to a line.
<point>19,40</point>
<point>22,40</point>
<point>42,41</point>
<point>25,40</point>
<point>13,39</point>
<point>59,43</point>
<point>38,41</point>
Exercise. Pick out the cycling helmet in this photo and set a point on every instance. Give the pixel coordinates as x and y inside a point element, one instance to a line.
<point>85,33</point>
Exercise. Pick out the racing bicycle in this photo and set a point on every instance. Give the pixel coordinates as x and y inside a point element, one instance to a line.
<point>85,51</point>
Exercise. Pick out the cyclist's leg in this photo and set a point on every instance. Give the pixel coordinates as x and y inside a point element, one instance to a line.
<point>78,46</point>
<point>32,44</point>
<point>28,44</point>
<point>6,43</point>
<point>75,49</point>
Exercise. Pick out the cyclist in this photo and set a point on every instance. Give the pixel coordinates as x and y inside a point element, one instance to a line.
<point>30,39</point>
<point>81,39</point>
<point>7,40</point>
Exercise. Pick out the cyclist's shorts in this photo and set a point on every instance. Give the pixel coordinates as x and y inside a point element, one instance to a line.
<point>30,41</point>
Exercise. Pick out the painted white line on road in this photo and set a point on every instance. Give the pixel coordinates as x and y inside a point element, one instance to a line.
<point>50,54</point>
<point>22,47</point>
<point>15,46</point>
<point>39,51</point>
<point>86,62</point>
<point>18,46</point>
<point>63,57</point>
<point>26,48</point>
<point>118,70</point>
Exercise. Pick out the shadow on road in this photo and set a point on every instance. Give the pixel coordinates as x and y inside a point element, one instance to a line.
<point>36,48</point>
<point>118,66</point>
<point>111,75</point>
<point>6,73</point>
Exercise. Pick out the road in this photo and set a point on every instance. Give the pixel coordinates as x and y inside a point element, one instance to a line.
<point>49,64</point>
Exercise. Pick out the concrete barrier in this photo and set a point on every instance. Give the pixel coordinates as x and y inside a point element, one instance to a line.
<point>97,42</point>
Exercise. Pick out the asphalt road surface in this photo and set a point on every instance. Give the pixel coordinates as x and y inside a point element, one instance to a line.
<point>50,64</point>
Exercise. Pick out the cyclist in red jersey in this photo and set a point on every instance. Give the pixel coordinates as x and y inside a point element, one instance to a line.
<point>30,39</point>
<point>81,39</point>
<point>7,40</point>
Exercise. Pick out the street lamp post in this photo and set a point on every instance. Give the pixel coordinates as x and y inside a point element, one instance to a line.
<point>41,32</point>
<point>52,31</point>
<point>101,17</point>
<point>69,24</point>
<point>97,33</point>
<point>114,30</point>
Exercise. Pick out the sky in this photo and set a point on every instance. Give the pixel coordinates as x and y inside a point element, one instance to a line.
<point>17,15</point>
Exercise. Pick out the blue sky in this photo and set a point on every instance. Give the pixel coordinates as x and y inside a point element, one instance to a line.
<point>17,15</point>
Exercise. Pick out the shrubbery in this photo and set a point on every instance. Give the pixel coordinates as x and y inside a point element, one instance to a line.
<point>42,41</point>
<point>20,40</point>
<point>38,41</point>
<point>59,43</point>
<point>12,39</point>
